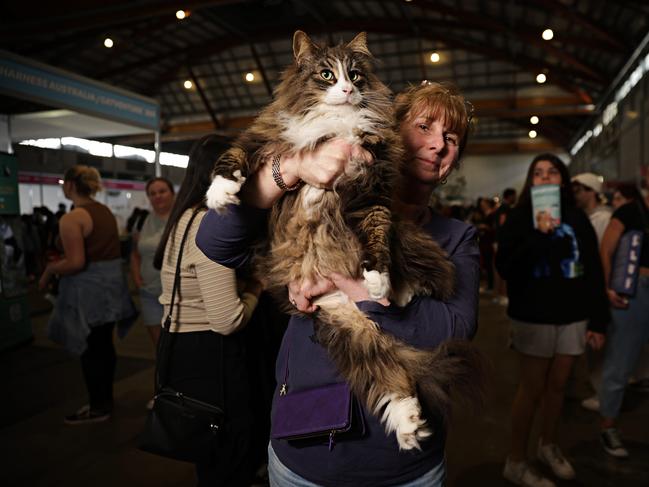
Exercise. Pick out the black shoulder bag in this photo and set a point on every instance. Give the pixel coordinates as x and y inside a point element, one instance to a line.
<point>179,426</point>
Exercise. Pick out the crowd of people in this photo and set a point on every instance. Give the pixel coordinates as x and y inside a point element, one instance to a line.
<point>554,277</point>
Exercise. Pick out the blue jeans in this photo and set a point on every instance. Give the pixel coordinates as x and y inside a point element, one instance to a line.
<point>280,476</point>
<point>626,337</point>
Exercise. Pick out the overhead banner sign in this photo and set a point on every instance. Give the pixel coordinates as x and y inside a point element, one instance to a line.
<point>30,80</point>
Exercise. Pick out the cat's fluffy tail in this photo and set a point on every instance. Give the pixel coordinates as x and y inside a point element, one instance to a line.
<point>387,374</point>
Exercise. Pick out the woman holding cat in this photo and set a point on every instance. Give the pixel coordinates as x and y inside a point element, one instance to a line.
<point>433,120</point>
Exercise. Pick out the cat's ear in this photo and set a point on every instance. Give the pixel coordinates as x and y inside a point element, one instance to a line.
<point>359,44</point>
<point>303,46</point>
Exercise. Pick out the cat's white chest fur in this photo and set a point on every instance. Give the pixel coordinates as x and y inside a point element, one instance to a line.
<point>344,121</point>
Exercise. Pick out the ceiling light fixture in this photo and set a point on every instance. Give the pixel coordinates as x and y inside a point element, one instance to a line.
<point>188,85</point>
<point>181,14</point>
<point>541,78</point>
<point>532,134</point>
<point>108,42</point>
<point>547,34</point>
<point>434,57</point>
<point>250,77</point>
<point>534,119</point>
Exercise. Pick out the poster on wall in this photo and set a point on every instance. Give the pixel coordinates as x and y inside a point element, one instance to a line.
<point>9,202</point>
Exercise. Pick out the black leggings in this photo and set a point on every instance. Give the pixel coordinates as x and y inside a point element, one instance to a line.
<point>194,369</point>
<point>98,365</point>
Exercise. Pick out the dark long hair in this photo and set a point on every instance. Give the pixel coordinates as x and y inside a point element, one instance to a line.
<point>567,196</point>
<point>631,192</point>
<point>191,194</point>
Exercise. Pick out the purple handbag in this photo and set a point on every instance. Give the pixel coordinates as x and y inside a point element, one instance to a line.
<point>318,415</point>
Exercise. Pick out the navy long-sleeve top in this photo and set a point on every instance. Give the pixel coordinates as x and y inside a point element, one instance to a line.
<point>374,459</point>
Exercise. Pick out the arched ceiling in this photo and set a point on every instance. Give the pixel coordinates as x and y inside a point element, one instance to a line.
<point>491,49</point>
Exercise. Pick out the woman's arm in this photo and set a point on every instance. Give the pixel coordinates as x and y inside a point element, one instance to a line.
<point>227,311</point>
<point>227,237</point>
<point>71,232</point>
<point>136,261</point>
<point>319,168</point>
<point>457,317</point>
<point>611,238</point>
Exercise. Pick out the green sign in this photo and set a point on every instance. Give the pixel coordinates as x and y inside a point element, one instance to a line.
<point>9,201</point>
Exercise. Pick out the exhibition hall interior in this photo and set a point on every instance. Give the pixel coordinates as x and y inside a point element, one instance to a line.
<point>114,119</point>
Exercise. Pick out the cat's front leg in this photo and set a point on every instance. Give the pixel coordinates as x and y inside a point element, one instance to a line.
<point>227,180</point>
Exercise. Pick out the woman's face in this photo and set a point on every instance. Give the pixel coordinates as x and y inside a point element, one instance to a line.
<point>619,200</point>
<point>545,173</point>
<point>160,197</point>
<point>432,149</point>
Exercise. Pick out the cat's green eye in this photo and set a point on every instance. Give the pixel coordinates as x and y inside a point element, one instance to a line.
<point>327,74</point>
<point>354,76</point>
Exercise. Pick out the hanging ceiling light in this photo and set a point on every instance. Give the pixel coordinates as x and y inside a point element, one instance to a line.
<point>534,119</point>
<point>188,85</point>
<point>541,78</point>
<point>108,42</point>
<point>434,57</point>
<point>181,14</point>
<point>532,134</point>
<point>250,77</point>
<point>547,34</point>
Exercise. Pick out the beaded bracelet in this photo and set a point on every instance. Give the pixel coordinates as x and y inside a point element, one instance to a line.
<point>277,177</point>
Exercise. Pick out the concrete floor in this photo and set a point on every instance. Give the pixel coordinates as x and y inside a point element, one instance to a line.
<point>42,384</point>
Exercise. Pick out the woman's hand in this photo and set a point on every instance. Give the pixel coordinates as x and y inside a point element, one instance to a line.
<point>354,288</point>
<point>595,340</point>
<point>544,222</point>
<point>137,279</point>
<point>322,167</point>
<point>301,294</point>
<point>617,300</point>
<point>45,278</point>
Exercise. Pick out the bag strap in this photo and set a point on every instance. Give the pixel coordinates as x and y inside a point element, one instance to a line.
<point>164,343</point>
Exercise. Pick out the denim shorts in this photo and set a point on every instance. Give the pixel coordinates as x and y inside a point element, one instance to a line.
<point>548,340</point>
<point>150,308</point>
<point>280,476</point>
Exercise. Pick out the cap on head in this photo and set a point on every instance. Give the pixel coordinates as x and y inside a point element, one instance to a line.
<point>590,180</point>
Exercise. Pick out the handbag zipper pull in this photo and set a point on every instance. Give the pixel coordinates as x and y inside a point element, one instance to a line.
<point>331,440</point>
<point>282,390</point>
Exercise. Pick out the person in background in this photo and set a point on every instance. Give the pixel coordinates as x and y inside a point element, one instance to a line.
<point>160,193</point>
<point>208,351</point>
<point>502,212</point>
<point>628,331</point>
<point>434,122</point>
<point>484,220</point>
<point>557,304</point>
<point>93,294</point>
<point>587,188</point>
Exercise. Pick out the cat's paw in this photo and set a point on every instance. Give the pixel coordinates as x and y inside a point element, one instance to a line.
<point>403,417</point>
<point>377,284</point>
<point>223,191</point>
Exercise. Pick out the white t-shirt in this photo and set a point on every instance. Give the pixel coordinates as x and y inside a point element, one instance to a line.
<point>599,218</point>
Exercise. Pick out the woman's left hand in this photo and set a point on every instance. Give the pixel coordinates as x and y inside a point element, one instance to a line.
<point>45,278</point>
<point>617,300</point>
<point>595,340</point>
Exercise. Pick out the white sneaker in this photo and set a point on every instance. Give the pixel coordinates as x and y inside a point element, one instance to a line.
<point>591,403</point>
<point>522,473</point>
<point>149,404</point>
<point>551,455</point>
<point>612,443</point>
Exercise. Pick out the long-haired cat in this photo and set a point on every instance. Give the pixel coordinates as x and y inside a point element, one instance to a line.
<point>332,92</point>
